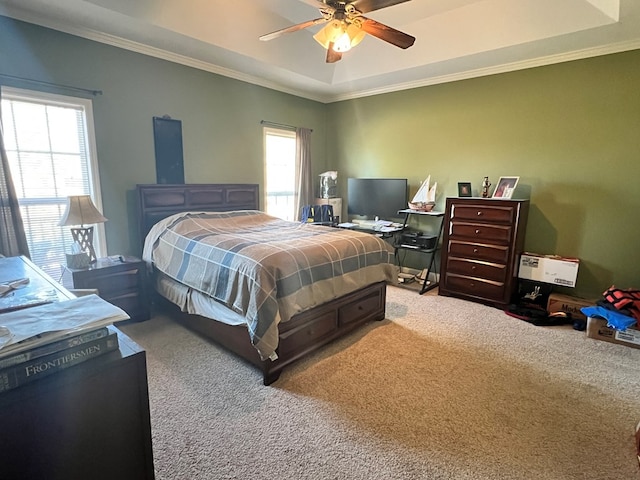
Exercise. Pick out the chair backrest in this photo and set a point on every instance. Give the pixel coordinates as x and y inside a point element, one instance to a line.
<point>317,213</point>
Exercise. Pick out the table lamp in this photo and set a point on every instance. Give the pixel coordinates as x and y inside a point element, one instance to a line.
<point>81,211</point>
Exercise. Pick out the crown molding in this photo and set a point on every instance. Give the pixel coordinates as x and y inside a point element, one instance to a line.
<point>162,54</point>
<point>504,68</point>
<point>159,53</point>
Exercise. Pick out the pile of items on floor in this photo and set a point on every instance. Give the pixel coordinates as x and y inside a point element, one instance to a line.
<point>613,318</point>
<point>616,317</point>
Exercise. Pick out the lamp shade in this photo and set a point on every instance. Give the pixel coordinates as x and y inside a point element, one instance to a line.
<point>343,36</point>
<point>81,211</point>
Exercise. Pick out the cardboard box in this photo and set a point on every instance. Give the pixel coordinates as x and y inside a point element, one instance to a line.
<point>597,328</point>
<point>552,269</point>
<point>568,304</point>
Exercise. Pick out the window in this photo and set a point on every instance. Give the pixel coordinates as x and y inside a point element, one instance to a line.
<point>51,148</point>
<point>280,173</point>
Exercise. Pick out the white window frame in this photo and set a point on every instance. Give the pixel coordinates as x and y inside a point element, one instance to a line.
<point>286,133</point>
<point>99,238</point>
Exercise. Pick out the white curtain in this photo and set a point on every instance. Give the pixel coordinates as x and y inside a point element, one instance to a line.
<point>304,181</point>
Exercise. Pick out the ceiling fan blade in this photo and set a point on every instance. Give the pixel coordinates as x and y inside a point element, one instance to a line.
<point>366,6</point>
<point>386,33</point>
<point>292,28</point>
<point>333,56</point>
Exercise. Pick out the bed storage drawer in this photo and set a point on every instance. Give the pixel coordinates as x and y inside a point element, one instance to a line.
<point>365,307</point>
<point>307,333</point>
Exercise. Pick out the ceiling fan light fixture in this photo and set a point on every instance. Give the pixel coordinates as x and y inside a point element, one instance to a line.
<point>351,37</point>
<point>343,36</point>
<point>329,33</point>
<point>342,43</point>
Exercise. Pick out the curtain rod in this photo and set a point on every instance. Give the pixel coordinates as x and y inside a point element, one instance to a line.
<point>49,84</point>
<point>280,125</point>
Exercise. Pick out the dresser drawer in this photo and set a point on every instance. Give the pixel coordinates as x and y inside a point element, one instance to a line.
<point>111,283</point>
<point>475,268</point>
<point>475,287</point>
<point>484,213</point>
<point>479,251</point>
<point>481,232</point>
<point>355,311</point>
<point>307,333</point>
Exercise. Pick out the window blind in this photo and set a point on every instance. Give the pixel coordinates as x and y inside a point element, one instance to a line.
<point>47,139</point>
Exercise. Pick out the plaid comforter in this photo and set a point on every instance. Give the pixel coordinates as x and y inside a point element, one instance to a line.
<point>264,268</point>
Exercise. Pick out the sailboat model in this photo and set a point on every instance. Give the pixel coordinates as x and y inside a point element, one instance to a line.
<point>425,198</point>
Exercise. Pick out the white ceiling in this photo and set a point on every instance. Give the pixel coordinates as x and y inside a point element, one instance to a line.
<point>455,39</point>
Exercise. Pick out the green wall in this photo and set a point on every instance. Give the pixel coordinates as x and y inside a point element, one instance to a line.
<point>222,134</point>
<point>571,132</point>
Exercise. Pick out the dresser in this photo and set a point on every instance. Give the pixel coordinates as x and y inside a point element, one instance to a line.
<point>482,242</point>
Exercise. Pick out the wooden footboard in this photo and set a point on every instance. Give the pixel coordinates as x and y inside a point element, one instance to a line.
<point>301,335</point>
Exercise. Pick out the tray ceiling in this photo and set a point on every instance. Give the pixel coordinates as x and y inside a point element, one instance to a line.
<point>455,39</point>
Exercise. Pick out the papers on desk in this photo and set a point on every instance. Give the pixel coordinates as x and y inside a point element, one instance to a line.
<point>382,226</point>
<point>30,327</point>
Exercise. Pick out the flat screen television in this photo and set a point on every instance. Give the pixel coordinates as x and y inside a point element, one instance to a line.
<point>376,197</point>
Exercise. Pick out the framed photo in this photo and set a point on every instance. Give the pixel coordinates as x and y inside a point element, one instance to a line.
<point>505,187</point>
<point>464,189</point>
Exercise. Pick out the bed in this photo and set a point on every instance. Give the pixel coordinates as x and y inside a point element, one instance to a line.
<point>272,293</point>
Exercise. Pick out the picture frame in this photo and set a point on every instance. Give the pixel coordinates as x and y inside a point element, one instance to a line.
<point>464,189</point>
<point>505,187</point>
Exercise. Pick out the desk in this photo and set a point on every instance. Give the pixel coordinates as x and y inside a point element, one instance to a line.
<point>87,421</point>
<point>430,250</point>
<point>382,231</point>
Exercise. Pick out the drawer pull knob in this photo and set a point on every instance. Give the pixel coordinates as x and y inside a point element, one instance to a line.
<point>475,250</point>
<point>479,214</point>
<point>477,231</point>
<point>472,285</point>
<point>473,267</point>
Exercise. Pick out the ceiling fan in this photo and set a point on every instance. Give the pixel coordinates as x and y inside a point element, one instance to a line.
<point>346,26</point>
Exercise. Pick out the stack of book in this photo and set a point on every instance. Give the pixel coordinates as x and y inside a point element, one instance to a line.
<point>40,341</point>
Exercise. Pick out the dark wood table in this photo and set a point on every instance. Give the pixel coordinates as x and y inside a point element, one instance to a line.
<point>91,420</point>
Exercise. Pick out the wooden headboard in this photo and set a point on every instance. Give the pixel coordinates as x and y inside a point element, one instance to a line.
<point>156,202</point>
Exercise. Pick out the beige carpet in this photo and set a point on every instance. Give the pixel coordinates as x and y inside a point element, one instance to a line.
<point>441,389</point>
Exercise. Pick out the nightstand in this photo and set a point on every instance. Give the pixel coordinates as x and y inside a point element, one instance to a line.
<point>122,283</point>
